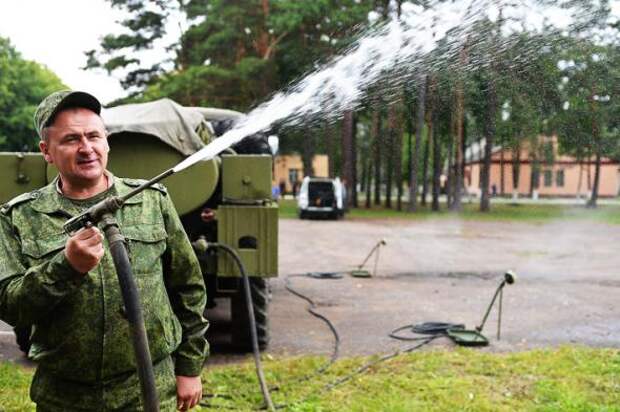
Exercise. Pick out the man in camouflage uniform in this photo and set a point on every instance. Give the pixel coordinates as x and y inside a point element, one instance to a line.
<point>66,286</point>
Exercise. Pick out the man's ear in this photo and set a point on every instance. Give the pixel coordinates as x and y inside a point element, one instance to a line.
<point>44,147</point>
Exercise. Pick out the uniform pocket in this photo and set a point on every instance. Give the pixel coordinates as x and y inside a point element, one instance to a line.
<point>39,248</point>
<point>146,244</point>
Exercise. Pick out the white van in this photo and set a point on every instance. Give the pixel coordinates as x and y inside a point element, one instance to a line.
<point>321,197</point>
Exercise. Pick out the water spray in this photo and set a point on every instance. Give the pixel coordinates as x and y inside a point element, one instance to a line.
<point>362,273</point>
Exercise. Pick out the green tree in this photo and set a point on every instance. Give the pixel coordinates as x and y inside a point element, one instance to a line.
<point>23,84</point>
<point>233,53</point>
<point>143,28</point>
<point>587,121</point>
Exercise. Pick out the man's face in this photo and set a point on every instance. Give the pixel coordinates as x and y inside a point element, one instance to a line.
<point>77,144</point>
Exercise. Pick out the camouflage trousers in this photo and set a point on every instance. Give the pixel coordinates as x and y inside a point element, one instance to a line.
<point>52,394</point>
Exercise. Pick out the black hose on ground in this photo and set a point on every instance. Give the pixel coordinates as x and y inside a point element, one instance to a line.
<point>436,329</point>
<point>432,330</point>
<point>250,305</point>
<point>312,310</point>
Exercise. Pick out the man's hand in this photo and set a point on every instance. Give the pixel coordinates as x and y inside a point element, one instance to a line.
<point>84,249</point>
<point>189,392</point>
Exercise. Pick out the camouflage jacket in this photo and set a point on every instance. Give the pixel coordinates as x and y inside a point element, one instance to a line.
<point>80,332</point>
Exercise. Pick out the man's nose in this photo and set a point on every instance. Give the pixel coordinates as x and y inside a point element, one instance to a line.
<point>85,145</point>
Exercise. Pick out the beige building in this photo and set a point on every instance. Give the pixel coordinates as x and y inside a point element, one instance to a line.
<point>290,169</point>
<point>564,177</point>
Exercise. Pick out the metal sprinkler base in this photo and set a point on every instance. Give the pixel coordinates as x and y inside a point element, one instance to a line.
<point>467,337</point>
<point>360,273</point>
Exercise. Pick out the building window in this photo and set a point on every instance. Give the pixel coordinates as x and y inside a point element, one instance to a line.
<point>559,178</point>
<point>548,175</point>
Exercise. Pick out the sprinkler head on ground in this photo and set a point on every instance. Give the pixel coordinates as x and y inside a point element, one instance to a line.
<point>510,277</point>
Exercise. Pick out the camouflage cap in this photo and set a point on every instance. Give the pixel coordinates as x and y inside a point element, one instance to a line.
<point>57,101</point>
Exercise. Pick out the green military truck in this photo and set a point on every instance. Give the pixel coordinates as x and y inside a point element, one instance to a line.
<point>225,200</point>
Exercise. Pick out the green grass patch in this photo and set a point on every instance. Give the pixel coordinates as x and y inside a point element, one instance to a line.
<point>563,379</point>
<point>499,212</point>
<point>14,385</point>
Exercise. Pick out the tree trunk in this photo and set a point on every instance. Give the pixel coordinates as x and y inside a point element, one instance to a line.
<point>450,171</point>
<point>458,176</point>
<point>596,138</point>
<point>398,138</point>
<point>348,157</point>
<point>589,171</point>
<point>329,148</point>
<point>597,179</point>
<point>460,114</point>
<point>436,171</point>
<point>516,170</point>
<point>425,162</point>
<point>389,166</point>
<point>489,125</point>
<point>377,144</point>
<point>534,176</point>
<point>369,178</point>
<point>415,156</point>
<point>535,171</point>
<point>398,155</point>
<point>409,110</point>
<point>308,154</point>
<point>502,173</point>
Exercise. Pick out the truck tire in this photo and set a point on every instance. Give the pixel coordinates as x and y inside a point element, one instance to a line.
<point>22,337</point>
<point>241,335</point>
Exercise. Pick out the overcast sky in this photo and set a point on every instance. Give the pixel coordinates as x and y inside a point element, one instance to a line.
<point>56,33</point>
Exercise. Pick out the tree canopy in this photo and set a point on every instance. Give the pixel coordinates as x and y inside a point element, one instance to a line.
<point>233,54</point>
<point>23,84</point>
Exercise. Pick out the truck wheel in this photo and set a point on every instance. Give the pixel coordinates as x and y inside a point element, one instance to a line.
<point>241,335</point>
<point>22,337</point>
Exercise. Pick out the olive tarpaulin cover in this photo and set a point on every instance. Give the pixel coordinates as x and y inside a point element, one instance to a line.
<point>165,119</point>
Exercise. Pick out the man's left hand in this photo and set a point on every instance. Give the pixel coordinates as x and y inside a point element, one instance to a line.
<point>189,392</point>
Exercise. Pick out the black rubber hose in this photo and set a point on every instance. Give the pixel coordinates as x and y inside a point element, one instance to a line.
<point>311,309</point>
<point>250,305</point>
<point>133,312</point>
<point>427,328</point>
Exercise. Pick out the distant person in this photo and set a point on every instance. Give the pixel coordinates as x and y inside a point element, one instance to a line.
<point>493,190</point>
<point>275,192</point>
<point>282,187</point>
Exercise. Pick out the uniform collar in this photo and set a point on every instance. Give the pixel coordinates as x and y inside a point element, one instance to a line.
<point>49,199</point>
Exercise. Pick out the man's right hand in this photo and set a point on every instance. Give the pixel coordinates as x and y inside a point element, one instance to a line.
<point>84,249</point>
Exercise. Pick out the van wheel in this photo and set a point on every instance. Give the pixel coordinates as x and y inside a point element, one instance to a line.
<point>241,335</point>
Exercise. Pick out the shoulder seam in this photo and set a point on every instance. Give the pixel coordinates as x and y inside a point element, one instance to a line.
<point>24,197</point>
<point>137,182</point>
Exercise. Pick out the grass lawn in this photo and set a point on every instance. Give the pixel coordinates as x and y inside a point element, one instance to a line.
<point>564,379</point>
<point>500,211</point>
